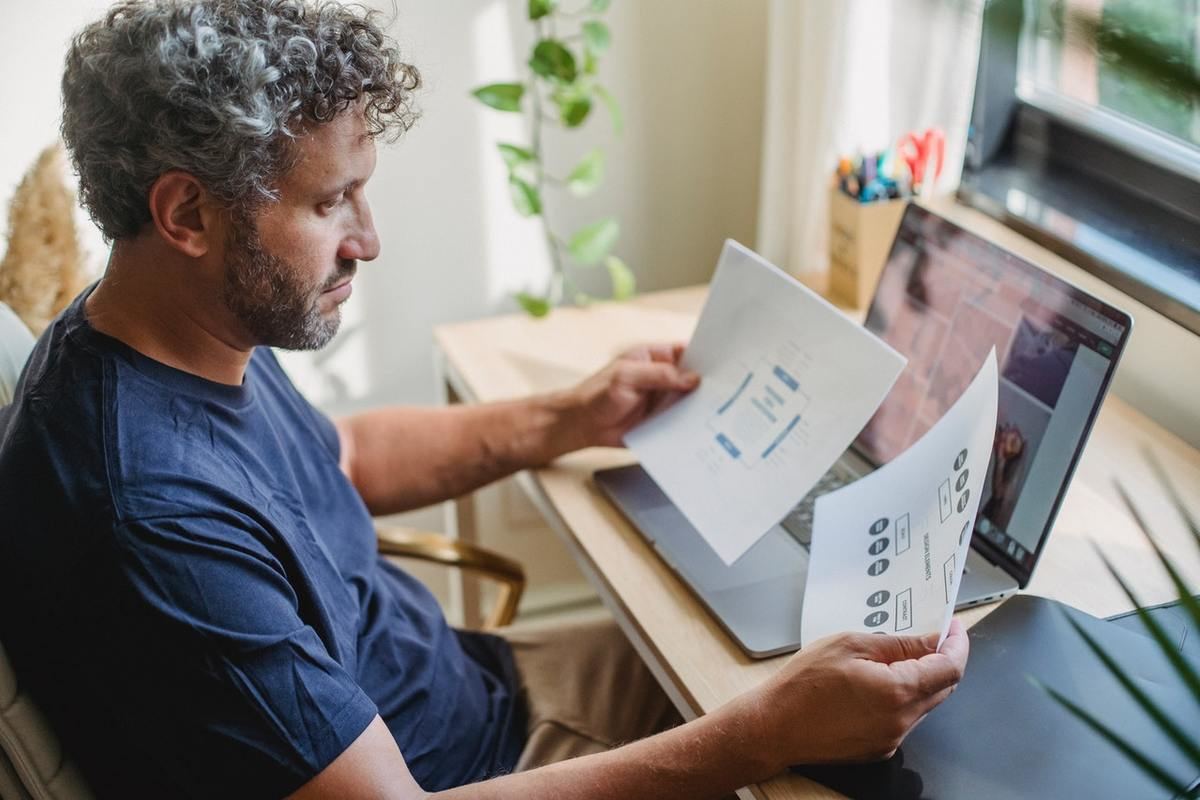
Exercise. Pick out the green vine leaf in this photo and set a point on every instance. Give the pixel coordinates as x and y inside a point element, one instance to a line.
<point>574,104</point>
<point>623,282</point>
<point>553,61</point>
<point>587,175</point>
<point>533,305</point>
<point>614,110</point>
<point>541,8</point>
<point>513,155</point>
<point>600,6</point>
<point>591,243</point>
<point>501,96</point>
<point>521,163</point>
<point>525,198</point>
<point>596,36</point>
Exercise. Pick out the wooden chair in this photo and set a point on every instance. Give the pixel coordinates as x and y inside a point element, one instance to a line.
<point>441,549</point>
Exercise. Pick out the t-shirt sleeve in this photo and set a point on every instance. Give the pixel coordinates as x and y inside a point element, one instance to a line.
<point>247,696</point>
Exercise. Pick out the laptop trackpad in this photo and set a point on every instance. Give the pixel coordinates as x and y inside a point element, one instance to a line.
<point>775,555</point>
<point>765,615</point>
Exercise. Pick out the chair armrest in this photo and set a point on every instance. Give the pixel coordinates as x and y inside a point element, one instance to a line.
<point>441,549</point>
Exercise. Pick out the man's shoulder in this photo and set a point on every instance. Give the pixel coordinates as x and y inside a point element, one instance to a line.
<point>91,423</point>
<point>56,409</point>
<point>61,372</point>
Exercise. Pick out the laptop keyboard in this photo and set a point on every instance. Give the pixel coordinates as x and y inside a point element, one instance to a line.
<point>799,521</point>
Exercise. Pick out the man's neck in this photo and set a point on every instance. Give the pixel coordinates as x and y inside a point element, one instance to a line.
<point>168,310</point>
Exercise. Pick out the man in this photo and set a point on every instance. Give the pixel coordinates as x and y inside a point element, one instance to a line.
<point>188,581</point>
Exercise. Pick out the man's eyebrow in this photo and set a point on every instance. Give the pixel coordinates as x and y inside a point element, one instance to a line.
<point>344,188</point>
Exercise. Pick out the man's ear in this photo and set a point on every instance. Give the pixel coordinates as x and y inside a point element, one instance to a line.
<point>184,214</point>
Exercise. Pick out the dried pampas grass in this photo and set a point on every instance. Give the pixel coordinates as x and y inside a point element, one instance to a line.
<point>43,270</point>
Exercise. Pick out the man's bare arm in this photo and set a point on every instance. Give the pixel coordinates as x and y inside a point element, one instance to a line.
<point>846,698</point>
<point>708,757</point>
<point>403,458</point>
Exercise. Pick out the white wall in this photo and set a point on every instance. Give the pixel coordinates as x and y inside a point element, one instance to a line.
<point>684,175</point>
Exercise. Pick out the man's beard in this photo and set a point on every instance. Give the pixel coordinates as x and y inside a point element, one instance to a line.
<point>266,296</point>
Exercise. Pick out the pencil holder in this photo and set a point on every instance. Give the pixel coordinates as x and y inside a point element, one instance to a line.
<point>860,237</point>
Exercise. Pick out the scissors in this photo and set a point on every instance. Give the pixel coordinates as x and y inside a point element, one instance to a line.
<point>919,151</point>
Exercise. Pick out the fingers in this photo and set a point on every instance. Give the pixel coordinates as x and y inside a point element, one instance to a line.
<point>661,401</point>
<point>915,661</point>
<point>927,704</point>
<point>891,649</point>
<point>658,377</point>
<point>664,352</point>
<point>957,645</point>
<point>939,673</point>
<point>888,649</point>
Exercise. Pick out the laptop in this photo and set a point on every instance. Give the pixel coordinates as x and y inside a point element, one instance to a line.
<point>945,297</point>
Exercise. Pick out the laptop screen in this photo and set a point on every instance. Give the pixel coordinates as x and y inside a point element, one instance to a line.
<point>947,296</point>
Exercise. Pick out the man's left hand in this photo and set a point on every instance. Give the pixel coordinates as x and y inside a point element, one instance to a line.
<point>633,386</point>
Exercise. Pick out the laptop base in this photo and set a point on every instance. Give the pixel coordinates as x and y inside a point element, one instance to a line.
<point>759,598</point>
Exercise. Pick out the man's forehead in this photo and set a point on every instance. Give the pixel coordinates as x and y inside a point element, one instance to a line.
<point>346,131</point>
<point>331,148</point>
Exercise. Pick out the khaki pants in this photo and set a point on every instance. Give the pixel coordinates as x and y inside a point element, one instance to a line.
<point>586,689</point>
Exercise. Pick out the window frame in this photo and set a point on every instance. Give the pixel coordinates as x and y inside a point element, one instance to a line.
<point>1132,220</point>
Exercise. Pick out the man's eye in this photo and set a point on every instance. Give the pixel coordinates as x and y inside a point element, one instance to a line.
<point>332,203</point>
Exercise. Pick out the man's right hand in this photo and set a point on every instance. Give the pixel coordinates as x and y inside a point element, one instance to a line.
<point>854,697</point>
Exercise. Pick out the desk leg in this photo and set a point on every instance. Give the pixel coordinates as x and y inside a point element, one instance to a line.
<point>461,523</point>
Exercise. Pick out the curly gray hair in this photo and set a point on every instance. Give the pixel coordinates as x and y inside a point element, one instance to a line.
<point>219,89</point>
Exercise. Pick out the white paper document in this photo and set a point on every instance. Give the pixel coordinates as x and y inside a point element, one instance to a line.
<point>888,550</point>
<point>788,381</point>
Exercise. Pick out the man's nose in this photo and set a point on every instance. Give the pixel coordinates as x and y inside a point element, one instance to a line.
<point>363,243</point>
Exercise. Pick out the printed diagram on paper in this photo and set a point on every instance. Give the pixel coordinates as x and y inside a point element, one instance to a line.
<point>888,550</point>
<point>788,381</point>
<point>888,540</point>
<point>762,413</point>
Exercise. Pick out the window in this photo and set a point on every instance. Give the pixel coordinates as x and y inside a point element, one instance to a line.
<point>1061,71</point>
<point>1086,137</point>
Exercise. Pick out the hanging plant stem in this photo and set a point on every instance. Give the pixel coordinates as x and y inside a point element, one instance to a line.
<point>563,74</point>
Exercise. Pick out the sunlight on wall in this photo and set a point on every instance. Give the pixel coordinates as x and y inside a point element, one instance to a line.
<point>515,249</point>
<point>865,126</point>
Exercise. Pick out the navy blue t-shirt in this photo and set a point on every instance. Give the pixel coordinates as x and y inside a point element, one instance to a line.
<point>189,587</point>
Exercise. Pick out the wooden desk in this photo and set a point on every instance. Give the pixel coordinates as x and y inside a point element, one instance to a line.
<point>698,665</point>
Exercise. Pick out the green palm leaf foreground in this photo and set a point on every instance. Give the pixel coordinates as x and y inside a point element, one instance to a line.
<point>1185,669</point>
